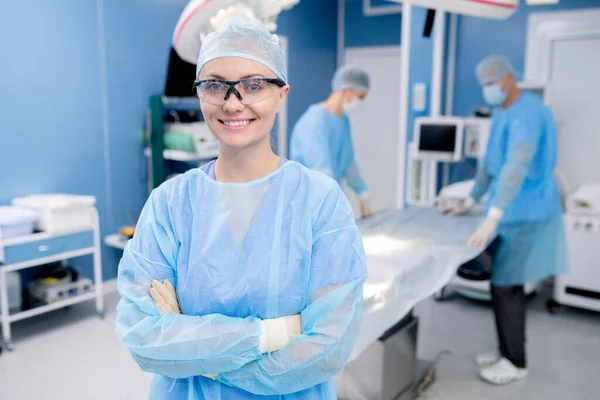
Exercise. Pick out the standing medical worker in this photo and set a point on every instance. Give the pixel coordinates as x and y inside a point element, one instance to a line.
<point>244,278</point>
<point>321,138</point>
<point>524,210</point>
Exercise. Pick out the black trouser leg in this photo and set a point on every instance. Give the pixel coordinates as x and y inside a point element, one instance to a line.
<point>509,304</point>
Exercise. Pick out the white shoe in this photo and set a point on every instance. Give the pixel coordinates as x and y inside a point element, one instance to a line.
<point>487,359</point>
<point>502,372</point>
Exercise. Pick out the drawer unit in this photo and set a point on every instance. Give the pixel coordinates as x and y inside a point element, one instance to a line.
<point>47,247</point>
<point>29,251</point>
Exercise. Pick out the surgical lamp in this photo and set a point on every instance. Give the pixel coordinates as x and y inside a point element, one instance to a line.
<point>492,9</point>
<point>200,17</point>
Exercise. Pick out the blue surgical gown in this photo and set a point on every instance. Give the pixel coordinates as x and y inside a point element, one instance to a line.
<point>322,141</point>
<point>518,172</point>
<point>236,254</point>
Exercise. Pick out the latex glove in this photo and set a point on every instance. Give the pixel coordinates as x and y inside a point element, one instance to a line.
<point>486,231</point>
<point>165,297</point>
<point>281,330</point>
<point>365,207</point>
<point>457,209</point>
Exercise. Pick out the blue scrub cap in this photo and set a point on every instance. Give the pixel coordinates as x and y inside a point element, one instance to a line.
<point>352,78</point>
<point>492,68</point>
<point>244,38</point>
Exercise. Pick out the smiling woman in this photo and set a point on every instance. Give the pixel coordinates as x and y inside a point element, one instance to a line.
<point>244,278</point>
<point>240,99</point>
<point>240,111</point>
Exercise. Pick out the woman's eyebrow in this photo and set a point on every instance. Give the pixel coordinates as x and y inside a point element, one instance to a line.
<point>217,76</point>
<point>256,75</point>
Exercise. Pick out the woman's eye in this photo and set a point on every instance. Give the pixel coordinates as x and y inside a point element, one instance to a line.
<point>213,87</point>
<point>253,86</point>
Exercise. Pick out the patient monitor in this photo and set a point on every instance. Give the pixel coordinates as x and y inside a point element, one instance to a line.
<point>438,138</point>
<point>441,140</point>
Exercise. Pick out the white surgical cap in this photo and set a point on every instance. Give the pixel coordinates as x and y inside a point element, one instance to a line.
<point>492,68</point>
<point>352,78</point>
<point>244,38</point>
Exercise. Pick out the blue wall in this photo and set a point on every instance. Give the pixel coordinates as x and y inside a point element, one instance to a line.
<point>311,30</point>
<point>478,38</point>
<point>137,40</point>
<point>364,31</point>
<point>137,36</point>
<point>361,31</point>
<point>51,110</point>
<point>75,87</point>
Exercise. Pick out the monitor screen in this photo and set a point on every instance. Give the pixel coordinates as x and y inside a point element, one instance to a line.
<point>434,137</point>
<point>180,77</point>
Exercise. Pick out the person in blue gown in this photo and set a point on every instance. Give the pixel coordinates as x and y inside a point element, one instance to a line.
<point>322,140</point>
<point>523,210</point>
<point>244,277</point>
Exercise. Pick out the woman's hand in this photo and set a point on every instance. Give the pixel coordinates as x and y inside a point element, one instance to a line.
<point>165,297</point>
<point>280,330</point>
<point>166,302</point>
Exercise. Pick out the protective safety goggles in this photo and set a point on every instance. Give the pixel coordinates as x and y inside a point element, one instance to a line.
<point>248,91</point>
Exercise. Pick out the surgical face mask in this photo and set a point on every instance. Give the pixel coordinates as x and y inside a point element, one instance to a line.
<point>352,106</point>
<point>494,95</point>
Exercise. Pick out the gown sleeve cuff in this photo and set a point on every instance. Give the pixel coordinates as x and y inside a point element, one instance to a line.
<point>277,334</point>
<point>495,213</point>
<point>264,337</point>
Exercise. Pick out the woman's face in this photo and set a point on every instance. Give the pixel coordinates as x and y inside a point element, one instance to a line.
<point>234,124</point>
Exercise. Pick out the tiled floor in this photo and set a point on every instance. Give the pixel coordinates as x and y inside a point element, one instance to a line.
<point>73,354</point>
<point>563,351</point>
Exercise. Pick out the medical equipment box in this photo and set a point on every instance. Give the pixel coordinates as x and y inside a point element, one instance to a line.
<point>60,212</point>
<point>16,221</point>
<point>48,293</point>
<point>581,286</point>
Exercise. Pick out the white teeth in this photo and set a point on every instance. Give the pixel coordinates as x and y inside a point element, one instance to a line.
<point>236,123</point>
